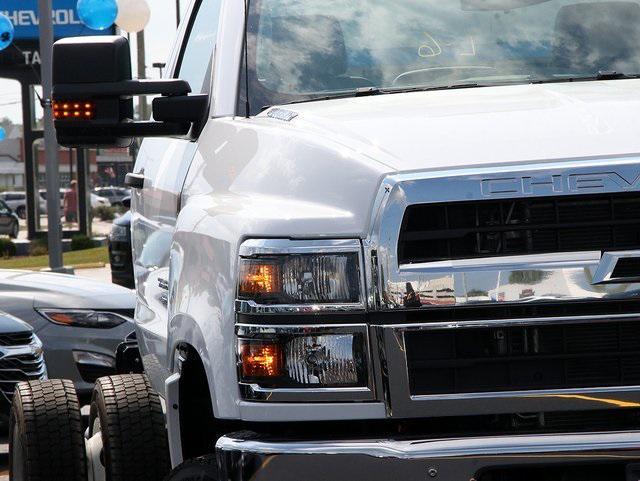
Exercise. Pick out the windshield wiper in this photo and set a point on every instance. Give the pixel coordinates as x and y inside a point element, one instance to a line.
<point>601,75</point>
<point>371,91</point>
<point>433,88</point>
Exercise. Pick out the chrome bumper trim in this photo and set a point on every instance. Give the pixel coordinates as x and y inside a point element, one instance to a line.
<point>243,457</point>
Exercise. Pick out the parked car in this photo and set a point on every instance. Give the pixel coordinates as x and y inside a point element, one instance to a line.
<point>390,239</point>
<point>120,257</point>
<point>115,195</point>
<point>9,221</point>
<point>80,321</point>
<point>21,359</point>
<point>96,201</point>
<point>18,202</point>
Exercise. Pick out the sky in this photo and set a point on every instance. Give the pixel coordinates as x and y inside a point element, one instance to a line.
<point>159,38</point>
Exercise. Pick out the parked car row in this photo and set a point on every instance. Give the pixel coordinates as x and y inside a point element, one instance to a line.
<point>9,221</point>
<point>115,195</point>
<point>17,201</point>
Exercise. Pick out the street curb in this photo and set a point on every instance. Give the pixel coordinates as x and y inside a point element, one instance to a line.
<point>91,265</point>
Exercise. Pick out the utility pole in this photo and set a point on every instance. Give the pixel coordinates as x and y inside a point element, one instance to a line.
<point>178,13</point>
<point>142,74</point>
<point>50,141</point>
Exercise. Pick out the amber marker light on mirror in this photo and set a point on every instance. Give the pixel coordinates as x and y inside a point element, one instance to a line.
<point>261,359</point>
<point>73,110</point>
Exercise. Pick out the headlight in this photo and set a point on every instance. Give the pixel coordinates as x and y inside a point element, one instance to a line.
<point>301,279</point>
<point>299,357</point>
<point>119,233</point>
<point>83,318</point>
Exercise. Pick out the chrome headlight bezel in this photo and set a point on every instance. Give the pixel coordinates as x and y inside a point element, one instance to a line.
<point>254,249</point>
<point>256,391</point>
<point>321,321</point>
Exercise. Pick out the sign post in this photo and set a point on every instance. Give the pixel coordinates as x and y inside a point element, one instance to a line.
<point>50,141</point>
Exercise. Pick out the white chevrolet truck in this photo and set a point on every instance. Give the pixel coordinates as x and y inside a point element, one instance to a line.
<point>373,240</point>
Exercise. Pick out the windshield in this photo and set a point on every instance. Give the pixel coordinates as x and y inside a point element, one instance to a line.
<point>303,49</point>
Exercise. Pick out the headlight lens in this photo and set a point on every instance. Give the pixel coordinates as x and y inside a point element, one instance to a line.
<point>301,279</point>
<point>299,357</point>
<point>83,318</point>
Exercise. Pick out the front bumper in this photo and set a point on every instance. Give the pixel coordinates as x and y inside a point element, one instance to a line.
<point>245,456</point>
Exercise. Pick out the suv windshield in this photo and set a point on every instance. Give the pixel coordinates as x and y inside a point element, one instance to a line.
<point>300,49</point>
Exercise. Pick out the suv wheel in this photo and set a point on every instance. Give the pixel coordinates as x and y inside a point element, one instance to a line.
<point>15,230</point>
<point>127,421</point>
<point>45,433</point>
<point>21,211</point>
<point>199,469</point>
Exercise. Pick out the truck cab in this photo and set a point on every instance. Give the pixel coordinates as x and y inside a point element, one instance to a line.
<point>384,240</point>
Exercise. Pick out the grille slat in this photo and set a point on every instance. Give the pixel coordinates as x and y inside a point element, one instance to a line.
<point>501,359</point>
<point>466,230</point>
<point>16,339</point>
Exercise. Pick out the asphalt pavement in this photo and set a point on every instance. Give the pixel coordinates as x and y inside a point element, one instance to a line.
<point>4,460</point>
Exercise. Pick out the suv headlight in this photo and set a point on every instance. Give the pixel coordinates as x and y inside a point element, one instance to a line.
<point>300,357</point>
<point>83,318</point>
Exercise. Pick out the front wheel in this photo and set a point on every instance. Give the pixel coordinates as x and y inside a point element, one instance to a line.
<point>21,211</point>
<point>199,469</point>
<point>45,433</point>
<point>127,430</point>
<point>15,230</point>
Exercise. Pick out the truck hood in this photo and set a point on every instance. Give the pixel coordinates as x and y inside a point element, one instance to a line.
<point>482,126</point>
<point>61,290</point>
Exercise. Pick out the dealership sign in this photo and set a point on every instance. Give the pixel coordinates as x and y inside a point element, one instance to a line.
<point>66,22</point>
<point>24,15</point>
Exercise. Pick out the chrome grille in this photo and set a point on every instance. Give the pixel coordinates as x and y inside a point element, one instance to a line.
<point>17,368</point>
<point>465,230</point>
<point>16,339</point>
<point>521,358</point>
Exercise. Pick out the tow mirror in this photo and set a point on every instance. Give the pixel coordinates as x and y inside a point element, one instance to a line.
<point>93,96</point>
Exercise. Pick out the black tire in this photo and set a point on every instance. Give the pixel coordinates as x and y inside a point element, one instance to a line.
<point>15,230</point>
<point>129,416</point>
<point>21,211</point>
<point>199,469</point>
<point>45,433</point>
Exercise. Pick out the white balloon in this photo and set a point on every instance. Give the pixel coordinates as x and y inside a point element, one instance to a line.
<point>133,15</point>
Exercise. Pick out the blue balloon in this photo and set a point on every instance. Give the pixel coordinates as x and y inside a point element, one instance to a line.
<point>98,14</point>
<point>6,31</point>
<point>3,134</point>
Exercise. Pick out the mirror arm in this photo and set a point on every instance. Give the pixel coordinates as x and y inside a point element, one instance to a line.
<point>184,108</point>
<point>124,88</point>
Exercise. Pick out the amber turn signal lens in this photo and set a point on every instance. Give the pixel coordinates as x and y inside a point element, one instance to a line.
<point>259,277</point>
<point>74,110</point>
<point>61,318</point>
<point>261,359</point>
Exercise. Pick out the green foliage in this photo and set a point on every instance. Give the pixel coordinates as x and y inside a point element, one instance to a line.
<point>7,248</point>
<point>528,277</point>
<point>39,247</point>
<point>81,242</point>
<point>104,212</point>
